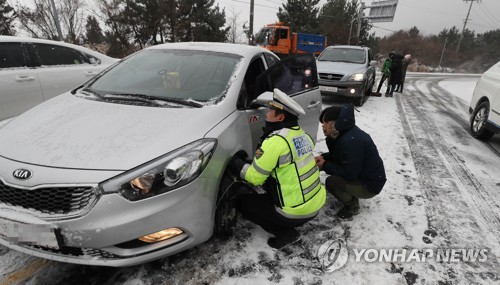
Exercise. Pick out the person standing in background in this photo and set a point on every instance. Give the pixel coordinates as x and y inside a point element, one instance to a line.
<point>396,73</point>
<point>406,62</point>
<point>386,73</point>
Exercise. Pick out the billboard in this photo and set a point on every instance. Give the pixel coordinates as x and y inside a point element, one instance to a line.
<point>382,11</point>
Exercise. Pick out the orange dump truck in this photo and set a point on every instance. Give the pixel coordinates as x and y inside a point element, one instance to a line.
<point>279,39</point>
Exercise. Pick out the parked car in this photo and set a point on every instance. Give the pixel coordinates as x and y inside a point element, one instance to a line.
<point>35,70</point>
<point>347,71</point>
<point>485,105</point>
<point>131,166</point>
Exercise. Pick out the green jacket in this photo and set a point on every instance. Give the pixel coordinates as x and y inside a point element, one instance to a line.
<point>386,68</point>
<point>287,156</point>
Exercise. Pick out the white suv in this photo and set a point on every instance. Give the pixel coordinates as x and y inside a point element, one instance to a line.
<point>35,70</point>
<point>485,105</point>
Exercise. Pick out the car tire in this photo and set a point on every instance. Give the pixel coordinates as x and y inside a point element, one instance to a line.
<point>360,101</point>
<point>369,90</point>
<point>225,212</point>
<point>478,122</point>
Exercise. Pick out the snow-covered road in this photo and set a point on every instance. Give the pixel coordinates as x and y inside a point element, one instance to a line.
<point>442,194</point>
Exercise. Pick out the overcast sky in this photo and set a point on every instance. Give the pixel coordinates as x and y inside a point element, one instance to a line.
<point>429,16</point>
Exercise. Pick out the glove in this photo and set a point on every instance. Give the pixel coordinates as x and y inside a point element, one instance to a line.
<point>235,165</point>
<point>243,156</point>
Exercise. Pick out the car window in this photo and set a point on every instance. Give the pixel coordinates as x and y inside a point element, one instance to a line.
<point>270,59</point>
<point>291,75</point>
<point>92,59</point>
<point>12,55</point>
<point>248,91</point>
<point>181,74</point>
<point>343,55</point>
<point>59,55</point>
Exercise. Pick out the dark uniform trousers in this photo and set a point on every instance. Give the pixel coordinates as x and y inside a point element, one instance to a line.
<point>348,192</point>
<point>260,209</point>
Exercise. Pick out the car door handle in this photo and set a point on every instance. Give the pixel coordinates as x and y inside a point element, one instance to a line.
<point>90,73</point>
<point>313,104</point>
<point>22,78</point>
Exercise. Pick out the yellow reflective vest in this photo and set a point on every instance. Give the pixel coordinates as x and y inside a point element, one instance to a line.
<point>287,156</point>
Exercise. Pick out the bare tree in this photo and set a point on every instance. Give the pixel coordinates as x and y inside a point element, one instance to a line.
<point>236,28</point>
<point>38,18</point>
<point>72,16</point>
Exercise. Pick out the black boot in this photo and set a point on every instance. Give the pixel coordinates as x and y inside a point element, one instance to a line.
<point>283,238</point>
<point>348,211</point>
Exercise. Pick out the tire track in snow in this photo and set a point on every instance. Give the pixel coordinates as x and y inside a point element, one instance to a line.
<point>483,198</point>
<point>439,167</point>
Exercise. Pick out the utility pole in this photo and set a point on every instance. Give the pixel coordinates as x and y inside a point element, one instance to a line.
<point>56,20</point>
<point>442,52</point>
<point>358,18</point>
<point>465,24</point>
<point>250,37</point>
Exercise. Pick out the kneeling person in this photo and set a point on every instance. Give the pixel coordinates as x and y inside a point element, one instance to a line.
<point>284,164</point>
<point>353,163</point>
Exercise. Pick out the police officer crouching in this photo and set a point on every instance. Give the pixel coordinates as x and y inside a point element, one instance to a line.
<point>285,167</point>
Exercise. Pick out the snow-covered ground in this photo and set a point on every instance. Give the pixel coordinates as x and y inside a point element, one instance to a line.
<point>441,194</point>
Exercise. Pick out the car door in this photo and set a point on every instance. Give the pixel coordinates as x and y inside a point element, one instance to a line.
<point>296,76</point>
<point>255,116</point>
<point>19,84</point>
<point>61,68</point>
<point>494,115</point>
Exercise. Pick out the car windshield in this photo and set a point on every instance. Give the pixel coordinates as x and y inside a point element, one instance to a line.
<point>343,55</point>
<point>179,75</point>
<point>264,36</point>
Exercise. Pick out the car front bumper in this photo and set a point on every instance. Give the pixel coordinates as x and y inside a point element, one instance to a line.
<point>339,88</point>
<point>105,233</point>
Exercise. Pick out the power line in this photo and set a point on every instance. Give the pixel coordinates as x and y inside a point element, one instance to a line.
<point>495,21</point>
<point>255,4</point>
<point>274,2</point>
<point>484,20</point>
<point>488,12</point>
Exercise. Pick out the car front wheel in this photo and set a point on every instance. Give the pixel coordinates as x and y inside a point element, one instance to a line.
<point>478,122</point>
<point>225,213</point>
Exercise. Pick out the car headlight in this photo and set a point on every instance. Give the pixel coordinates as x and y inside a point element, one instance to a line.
<point>357,77</point>
<point>163,174</point>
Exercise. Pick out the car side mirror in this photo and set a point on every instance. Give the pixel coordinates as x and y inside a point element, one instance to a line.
<point>373,63</point>
<point>262,100</point>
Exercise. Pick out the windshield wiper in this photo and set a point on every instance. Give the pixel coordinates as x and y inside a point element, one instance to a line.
<point>152,99</point>
<point>88,91</point>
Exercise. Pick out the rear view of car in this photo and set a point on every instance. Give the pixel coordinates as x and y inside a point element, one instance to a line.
<point>35,70</point>
<point>346,71</point>
<point>485,105</point>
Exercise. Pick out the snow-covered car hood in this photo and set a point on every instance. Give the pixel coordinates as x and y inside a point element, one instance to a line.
<point>340,67</point>
<point>71,132</point>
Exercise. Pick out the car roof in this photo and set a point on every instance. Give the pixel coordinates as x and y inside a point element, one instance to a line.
<point>238,49</point>
<point>347,46</point>
<point>7,39</point>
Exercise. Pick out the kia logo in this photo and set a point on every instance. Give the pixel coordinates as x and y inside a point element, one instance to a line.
<point>22,174</point>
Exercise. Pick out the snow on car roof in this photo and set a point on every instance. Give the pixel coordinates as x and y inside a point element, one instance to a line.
<point>239,49</point>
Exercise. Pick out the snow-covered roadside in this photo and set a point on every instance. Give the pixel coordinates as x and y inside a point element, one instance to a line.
<point>462,89</point>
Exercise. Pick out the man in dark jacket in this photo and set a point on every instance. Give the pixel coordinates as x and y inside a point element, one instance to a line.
<point>396,73</point>
<point>353,163</point>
